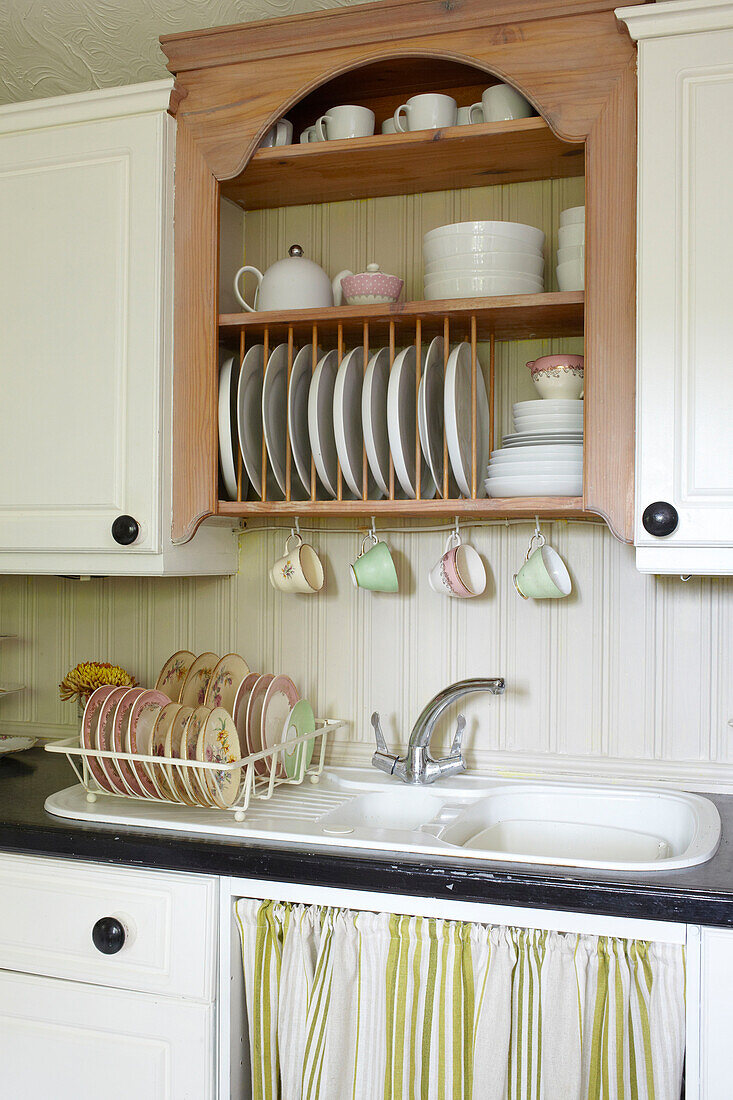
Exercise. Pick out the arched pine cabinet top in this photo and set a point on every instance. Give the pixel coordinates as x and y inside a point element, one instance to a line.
<point>571,58</point>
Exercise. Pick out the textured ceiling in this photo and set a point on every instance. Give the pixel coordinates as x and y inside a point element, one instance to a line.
<point>49,47</point>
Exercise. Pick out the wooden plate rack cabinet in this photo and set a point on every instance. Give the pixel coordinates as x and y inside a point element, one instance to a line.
<point>573,61</point>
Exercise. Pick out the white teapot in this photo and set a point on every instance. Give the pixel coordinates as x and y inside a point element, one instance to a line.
<point>292,283</point>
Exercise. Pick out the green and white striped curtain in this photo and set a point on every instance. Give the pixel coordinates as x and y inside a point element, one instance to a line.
<point>345,1005</point>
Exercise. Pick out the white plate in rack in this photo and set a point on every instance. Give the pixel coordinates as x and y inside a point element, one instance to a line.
<point>249,416</point>
<point>430,406</point>
<point>458,419</point>
<point>274,414</point>
<point>402,426</point>
<point>227,411</point>
<point>300,384</point>
<point>320,421</point>
<point>374,417</point>
<point>347,423</point>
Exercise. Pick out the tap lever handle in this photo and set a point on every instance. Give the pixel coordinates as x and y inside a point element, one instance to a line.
<point>377,726</point>
<point>455,749</point>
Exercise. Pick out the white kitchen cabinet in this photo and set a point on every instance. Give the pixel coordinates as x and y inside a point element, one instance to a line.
<point>684,452</point>
<point>77,1042</point>
<point>78,1023</point>
<point>86,284</point>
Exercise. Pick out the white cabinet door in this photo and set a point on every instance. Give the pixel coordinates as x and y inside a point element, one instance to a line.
<point>81,282</point>
<point>77,1042</point>
<point>685,284</point>
<point>710,1014</point>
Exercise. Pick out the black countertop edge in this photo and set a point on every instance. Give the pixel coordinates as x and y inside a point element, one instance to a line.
<point>698,895</point>
<point>533,887</point>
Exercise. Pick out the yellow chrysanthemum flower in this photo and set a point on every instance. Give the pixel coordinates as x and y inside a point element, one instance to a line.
<point>89,675</point>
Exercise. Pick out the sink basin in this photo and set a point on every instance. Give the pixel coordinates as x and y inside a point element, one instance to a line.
<point>613,828</point>
<point>468,817</point>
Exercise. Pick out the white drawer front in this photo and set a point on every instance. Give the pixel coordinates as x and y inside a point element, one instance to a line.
<point>49,908</point>
<point>77,1042</point>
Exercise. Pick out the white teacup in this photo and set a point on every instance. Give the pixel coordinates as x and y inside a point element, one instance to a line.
<point>428,111</point>
<point>298,571</point>
<point>388,126</point>
<point>347,121</point>
<point>460,572</point>
<point>308,135</point>
<point>499,103</point>
<point>279,134</point>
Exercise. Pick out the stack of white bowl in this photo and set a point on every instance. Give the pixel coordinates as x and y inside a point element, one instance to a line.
<point>571,249</point>
<point>544,455</point>
<point>480,259</point>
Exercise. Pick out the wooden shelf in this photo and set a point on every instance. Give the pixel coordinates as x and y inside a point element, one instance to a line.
<point>399,164</point>
<point>513,317</point>
<point>486,507</point>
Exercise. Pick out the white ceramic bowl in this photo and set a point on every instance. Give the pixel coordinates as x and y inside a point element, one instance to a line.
<point>518,231</point>
<point>482,286</point>
<point>529,485</point>
<point>500,467</point>
<point>572,252</point>
<point>540,450</point>
<point>537,405</point>
<point>466,273</point>
<point>571,275</point>
<point>574,215</point>
<point>441,247</point>
<point>479,263</point>
<point>571,234</point>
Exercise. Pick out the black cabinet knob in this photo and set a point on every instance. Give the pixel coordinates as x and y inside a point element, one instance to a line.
<point>660,518</point>
<point>125,530</point>
<point>108,935</point>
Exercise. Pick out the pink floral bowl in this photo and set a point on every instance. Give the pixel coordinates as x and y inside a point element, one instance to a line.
<point>371,287</point>
<point>558,376</point>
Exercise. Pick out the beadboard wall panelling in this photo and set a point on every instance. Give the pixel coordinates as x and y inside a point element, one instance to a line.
<point>629,676</point>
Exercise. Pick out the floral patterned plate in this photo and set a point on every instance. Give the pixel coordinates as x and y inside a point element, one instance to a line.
<point>173,674</point>
<point>197,680</point>
<point>193,778</point>
<point>161,731</point>
<point>143,716</point>
<point>225,681</point>
<point>89,724</point>
<point>120,741</point>
<point>239,714</point>
<point>218,744</point>
<point>173,750</point>
<point>104,740</point>
<point>254,720</point>
<point>280,698</point>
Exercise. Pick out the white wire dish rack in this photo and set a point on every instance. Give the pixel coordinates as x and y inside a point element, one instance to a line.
<point>192,783</point>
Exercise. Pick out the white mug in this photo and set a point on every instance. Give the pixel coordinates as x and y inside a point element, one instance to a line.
<point>308,135</point>
<point>347,121</point>
<point>429,111</point>
<point>279,134</point>
<point>500,103</point>
<point>463,116</point>
<point>298,571</point>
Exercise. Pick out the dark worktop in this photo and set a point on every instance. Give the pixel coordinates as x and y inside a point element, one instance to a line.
<point>700,895</point>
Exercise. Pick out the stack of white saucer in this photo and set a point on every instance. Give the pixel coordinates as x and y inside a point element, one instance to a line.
<point>544,455</point>
<point>571,249</point>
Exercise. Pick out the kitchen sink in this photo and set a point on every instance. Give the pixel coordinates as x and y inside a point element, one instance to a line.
<point>464,818</point>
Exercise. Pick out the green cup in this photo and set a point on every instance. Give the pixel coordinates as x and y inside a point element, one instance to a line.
<point>543,576</point>
<point>374,568</point>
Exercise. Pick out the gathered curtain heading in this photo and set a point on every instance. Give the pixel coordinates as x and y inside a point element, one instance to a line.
<point>346,1005</point>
